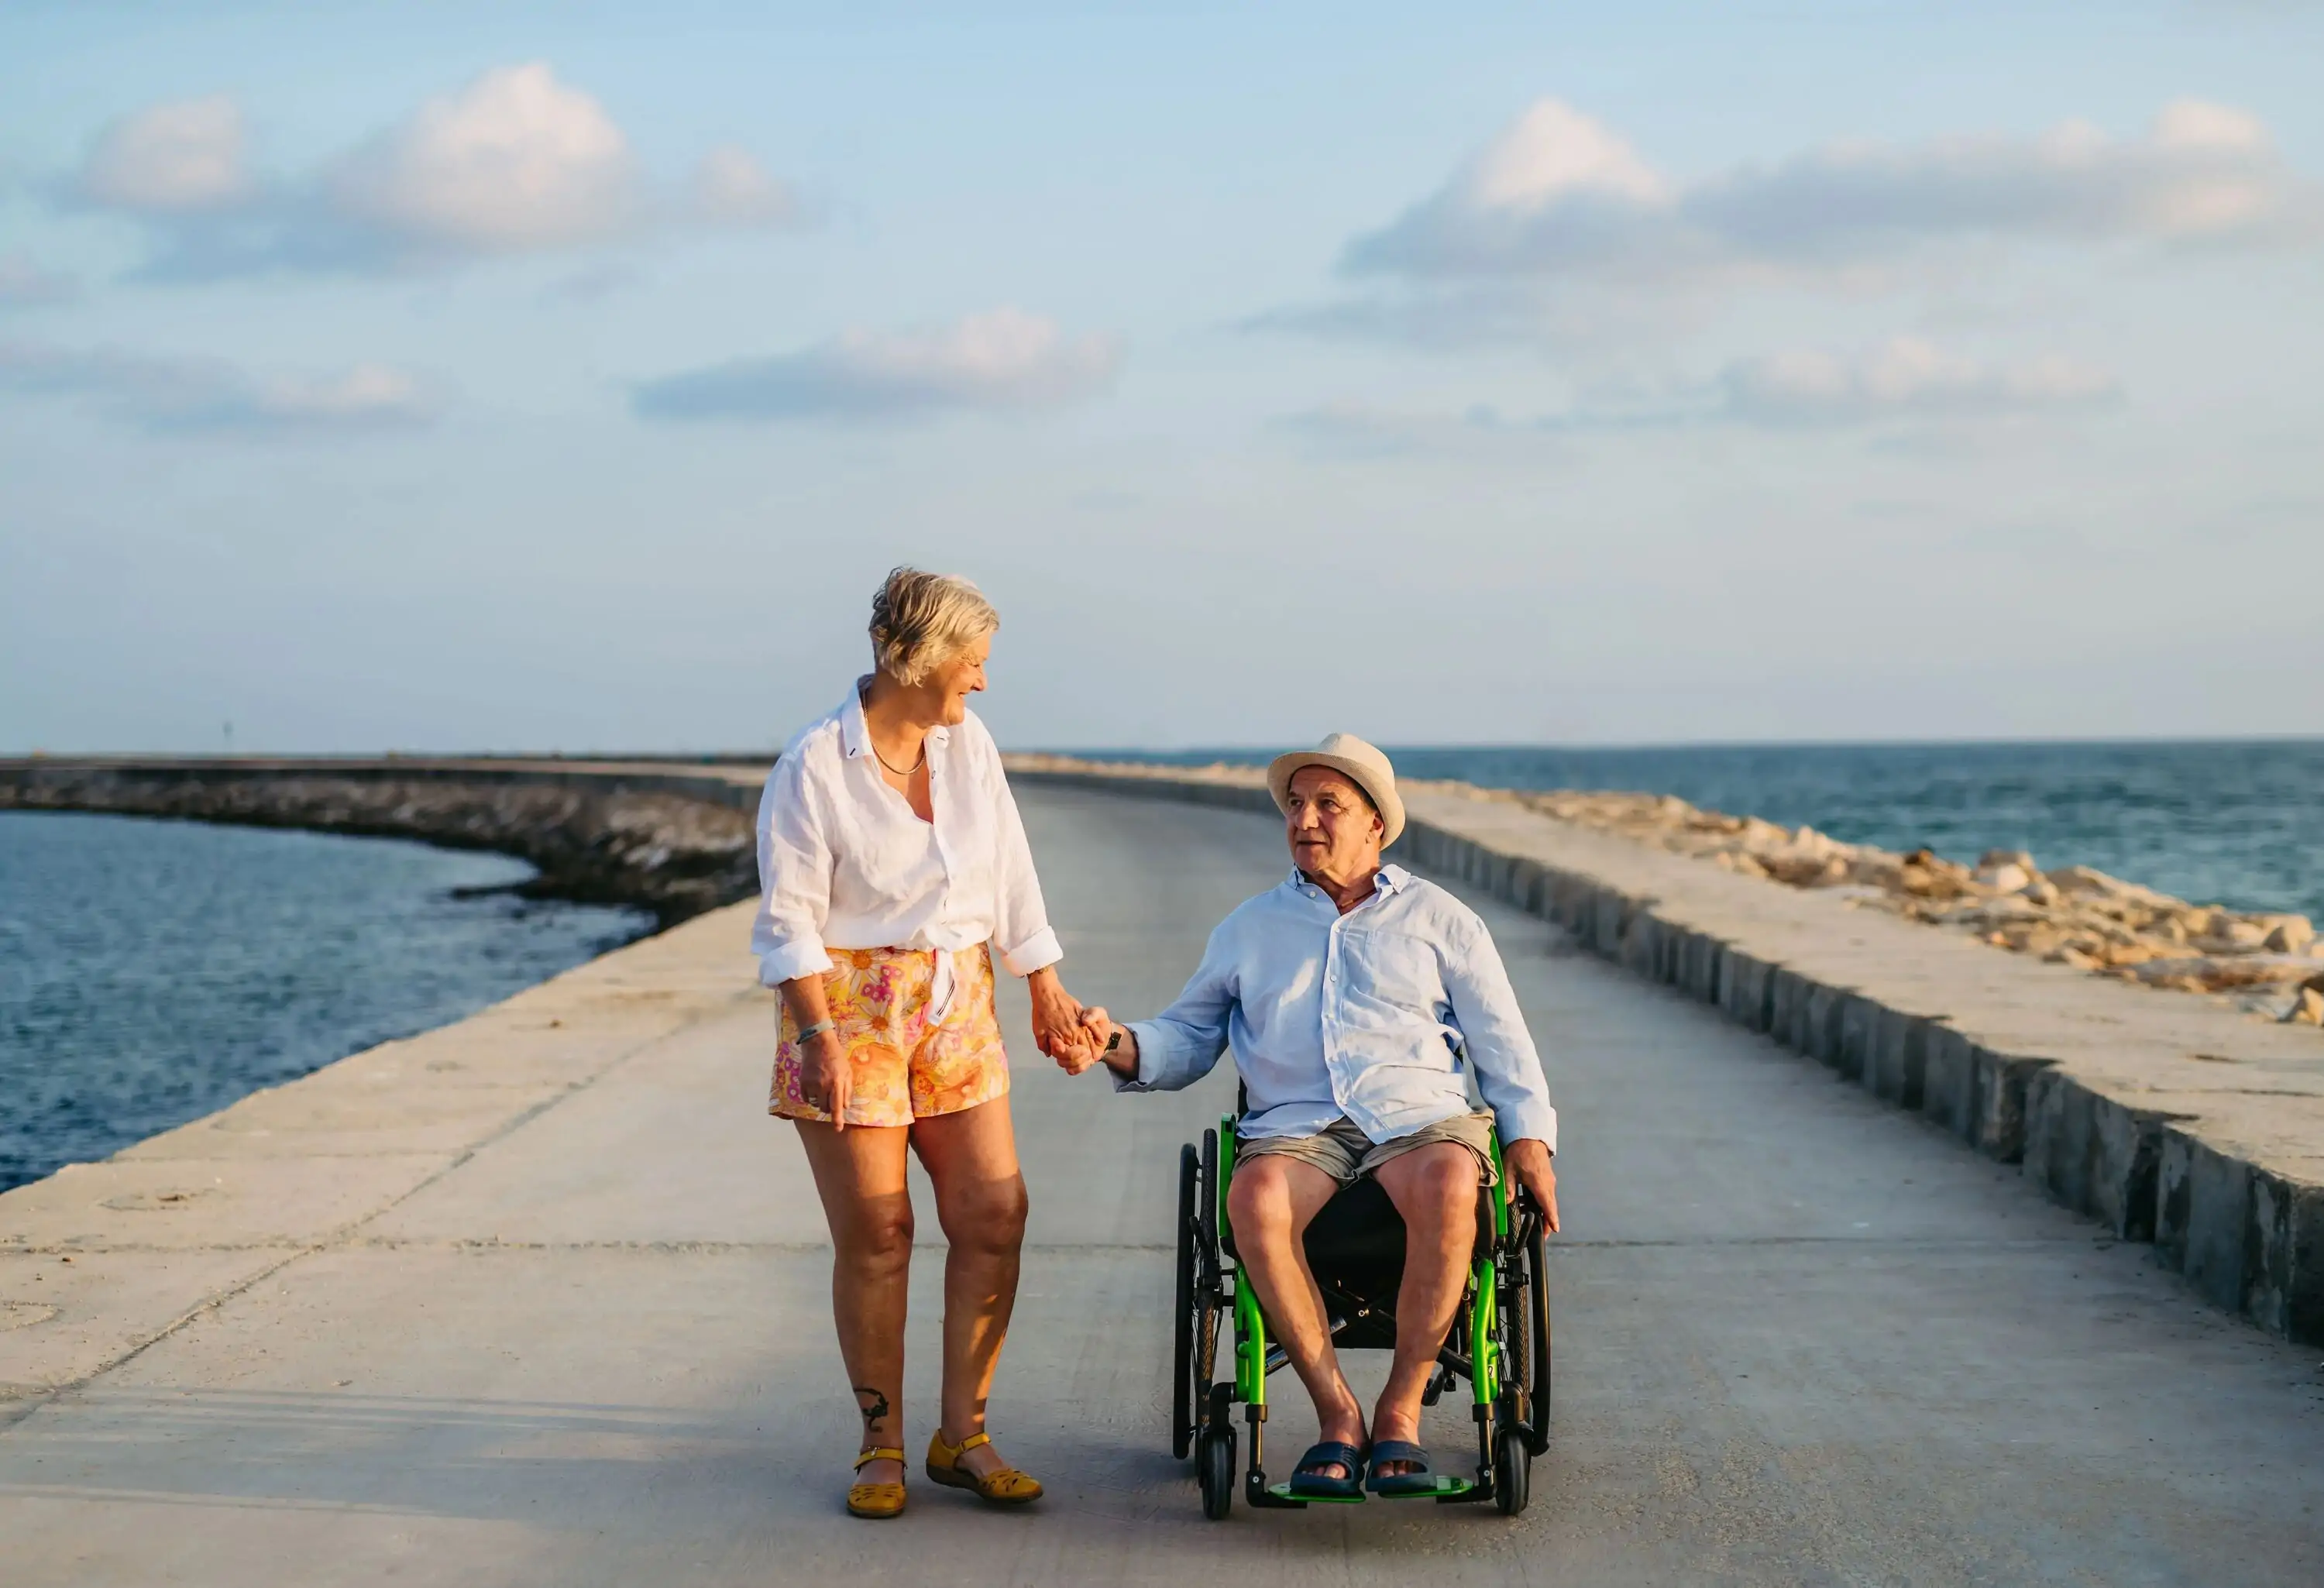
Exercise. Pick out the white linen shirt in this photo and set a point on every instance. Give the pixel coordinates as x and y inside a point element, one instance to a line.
<point>843,862</point>
<point>1363,1015</point>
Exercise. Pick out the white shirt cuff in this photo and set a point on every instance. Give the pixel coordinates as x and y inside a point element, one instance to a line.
<point>791,961</point>
<point>1037,953</point>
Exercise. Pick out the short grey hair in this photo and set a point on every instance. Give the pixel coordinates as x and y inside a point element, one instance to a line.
<point>920,620</point>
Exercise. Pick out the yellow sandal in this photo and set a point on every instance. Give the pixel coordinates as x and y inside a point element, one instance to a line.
<point>878,1501</point>
<point>1006,1487</point>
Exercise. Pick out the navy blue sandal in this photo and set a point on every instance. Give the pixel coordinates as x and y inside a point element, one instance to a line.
<point>1421,1480</point>
<point>1309,1485</point>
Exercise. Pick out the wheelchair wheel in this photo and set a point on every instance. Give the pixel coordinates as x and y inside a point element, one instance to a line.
<point>1214,1465</point>
<point>1536,1433</point>
<point>1182,1378</point>
<point>1512,1462</point>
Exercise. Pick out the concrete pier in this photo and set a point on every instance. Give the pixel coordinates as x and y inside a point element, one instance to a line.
<point>540,1298</point>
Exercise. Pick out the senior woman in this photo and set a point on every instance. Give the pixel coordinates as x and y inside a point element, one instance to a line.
<point>891,864</point>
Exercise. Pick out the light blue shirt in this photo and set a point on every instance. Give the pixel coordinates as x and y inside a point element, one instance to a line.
<point>1363,1015</point>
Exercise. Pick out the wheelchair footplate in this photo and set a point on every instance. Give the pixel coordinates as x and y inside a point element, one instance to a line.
<point>1280,1495</point>
<point>1446,1487</point>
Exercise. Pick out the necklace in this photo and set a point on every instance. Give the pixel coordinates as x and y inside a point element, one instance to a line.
<point>901,771</point>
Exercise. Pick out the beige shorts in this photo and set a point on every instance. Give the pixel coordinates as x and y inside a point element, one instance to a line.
<point>1345,1153</point>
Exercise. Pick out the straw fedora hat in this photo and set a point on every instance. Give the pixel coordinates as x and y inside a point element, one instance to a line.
<point>1352,758</point>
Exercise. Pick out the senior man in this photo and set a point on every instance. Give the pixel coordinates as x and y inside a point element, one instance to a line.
<point>1349,994</point>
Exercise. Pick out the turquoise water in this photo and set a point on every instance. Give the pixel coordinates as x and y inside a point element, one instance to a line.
<point>2233,823</point>
<point>151,972</point>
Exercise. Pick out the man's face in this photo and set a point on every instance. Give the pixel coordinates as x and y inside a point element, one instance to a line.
<point>1335,832</point>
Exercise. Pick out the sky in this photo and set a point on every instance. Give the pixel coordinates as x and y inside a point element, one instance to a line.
<point>566,377</point>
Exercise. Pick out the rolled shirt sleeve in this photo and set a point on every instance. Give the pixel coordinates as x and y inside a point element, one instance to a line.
<point>1022,931</point>
<point>1507,1066</point>
<point>795,860</point>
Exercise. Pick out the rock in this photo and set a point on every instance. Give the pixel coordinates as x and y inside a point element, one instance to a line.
<point>2084,879</point>
<point>1993,860</point>
<point>2008,877</point>
<point>2291,934</point>
<point>2308,1009</point>
<point>2220,974</point>
<point>2041,890</point>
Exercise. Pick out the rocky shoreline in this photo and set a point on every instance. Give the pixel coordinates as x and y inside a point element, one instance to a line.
<point>673,849</point>
<point>2265,964</point>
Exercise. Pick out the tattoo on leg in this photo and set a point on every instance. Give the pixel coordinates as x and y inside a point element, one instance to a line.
<point>873,1409</point>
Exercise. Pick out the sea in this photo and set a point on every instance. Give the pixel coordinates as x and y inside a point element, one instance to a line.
<point>2238,823</point>
<point>152,972</point>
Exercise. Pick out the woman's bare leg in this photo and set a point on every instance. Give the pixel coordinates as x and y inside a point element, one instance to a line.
<point>858,1173</point>
<point>970,1157</point>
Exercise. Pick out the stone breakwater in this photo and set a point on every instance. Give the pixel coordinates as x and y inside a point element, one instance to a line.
<point>2072,915</point>
<point>675,840</point>
<point>2075,916</point>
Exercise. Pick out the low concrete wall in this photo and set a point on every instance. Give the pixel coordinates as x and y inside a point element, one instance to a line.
<point>2165,1117</point>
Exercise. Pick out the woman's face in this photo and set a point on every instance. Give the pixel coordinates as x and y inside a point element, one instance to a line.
<point>959,676</point>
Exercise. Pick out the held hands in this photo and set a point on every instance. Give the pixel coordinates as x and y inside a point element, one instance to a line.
<point>1527,1163</point>
<point>1057,1016</point>
<point>1096,1037</point>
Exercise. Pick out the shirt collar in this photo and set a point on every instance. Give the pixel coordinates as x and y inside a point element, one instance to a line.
<point>1388,879</point>
<point>856,733</point>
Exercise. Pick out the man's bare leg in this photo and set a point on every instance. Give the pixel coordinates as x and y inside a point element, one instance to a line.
<point>1434,1187</point>
<point>1270,1201</point>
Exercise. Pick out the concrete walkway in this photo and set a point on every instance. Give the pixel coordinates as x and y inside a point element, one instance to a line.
<point>540,1298</point>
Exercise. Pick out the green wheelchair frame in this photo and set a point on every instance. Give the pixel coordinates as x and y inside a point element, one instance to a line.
<point>1499,1342</point>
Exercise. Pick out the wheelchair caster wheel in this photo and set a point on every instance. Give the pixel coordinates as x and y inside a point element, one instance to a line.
<point>1512,1471</point>
<point>1214,1465</point>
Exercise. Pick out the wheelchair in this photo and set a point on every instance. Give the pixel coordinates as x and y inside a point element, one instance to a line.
<point>1498,1341</point>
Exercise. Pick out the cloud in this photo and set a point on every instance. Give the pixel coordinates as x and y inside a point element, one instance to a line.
<point>1905,377</point>
<point>1559,231</point>
<point>517,161</point>
<point>184,157</point>
<point>731,188</point>
<point>24,283</point>
<point>1558,195</point>
<point>1367,430</point>
<point>1004,360</point>
<point>164,394</point>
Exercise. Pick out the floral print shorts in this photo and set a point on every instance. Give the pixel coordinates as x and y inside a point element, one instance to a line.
<point>907,1066</point>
